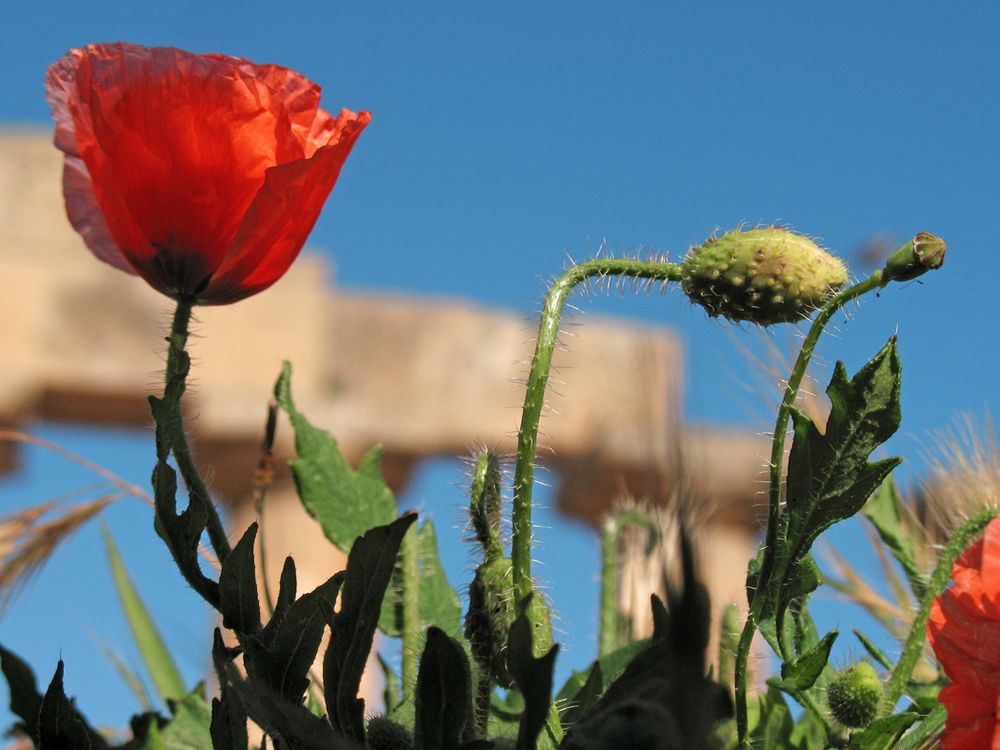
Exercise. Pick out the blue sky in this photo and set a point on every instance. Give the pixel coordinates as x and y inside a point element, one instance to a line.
<point>508,135</point>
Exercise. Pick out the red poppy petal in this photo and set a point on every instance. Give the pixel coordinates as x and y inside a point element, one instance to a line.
<point>86,215</point>
<point>281,217</point>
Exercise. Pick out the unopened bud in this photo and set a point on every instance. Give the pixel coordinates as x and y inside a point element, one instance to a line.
<point>854,695</point>
<point>923,253</point>
<point>765,276</point>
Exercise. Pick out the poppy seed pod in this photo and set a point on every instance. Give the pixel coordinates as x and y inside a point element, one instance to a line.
<point>203,174</point>
<point>764,276</point>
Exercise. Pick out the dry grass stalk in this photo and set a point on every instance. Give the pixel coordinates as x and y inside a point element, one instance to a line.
<point>27,542</point>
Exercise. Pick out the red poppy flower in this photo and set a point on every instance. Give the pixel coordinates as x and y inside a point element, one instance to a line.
<point>203,174</point>
<point>964,630</point>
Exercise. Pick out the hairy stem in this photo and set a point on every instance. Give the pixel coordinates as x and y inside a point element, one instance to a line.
<point>608,636</point>
<point>534,397</point>
<point>197,491</point>
<point>410,563</point>
<point>875,281</point>
<point>966,534</point>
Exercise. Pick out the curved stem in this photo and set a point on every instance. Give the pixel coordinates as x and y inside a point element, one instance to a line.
<point>875,281</point>
<point>197,490</point>
<point>966,534</point>
<point>534,397</point>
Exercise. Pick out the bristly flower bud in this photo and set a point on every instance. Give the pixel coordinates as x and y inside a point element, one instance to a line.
<point>923,253</point>
<point>854,695</point>
<point>764,276</point>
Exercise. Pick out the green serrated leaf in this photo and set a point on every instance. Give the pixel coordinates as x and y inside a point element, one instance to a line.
<point>882,733</point>
<point>345,502</point>
<point>803,671</point>
<point>885,512</point>
<point>160,665</point>
<point>829,479</point>
<point>443,695</point>
<point>25,700</point>
<point>369,568</point>
<point>189,729</point>
<point>439,604</point>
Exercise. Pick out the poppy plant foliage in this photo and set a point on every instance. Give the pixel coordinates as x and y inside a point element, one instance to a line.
<point>964,629</point>
<point>203,174</point>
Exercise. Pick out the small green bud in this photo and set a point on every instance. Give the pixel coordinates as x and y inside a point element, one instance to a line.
<point>490,615</point>
<point>764,276</point>
<point>385,734</point>
<point>854,695</point>
<point>923,253</point>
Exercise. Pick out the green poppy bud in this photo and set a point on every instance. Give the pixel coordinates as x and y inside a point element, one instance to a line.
<point>764,276</point>
<point>854,695</point>
<point>923,253</point>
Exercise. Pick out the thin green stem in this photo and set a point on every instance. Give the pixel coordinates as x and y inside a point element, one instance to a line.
<point>608,635</point>
<point>197,490</point>
<point>875,281</point>
<point>966,534</point>
<point>262,481</point>
<point>534,397</point>
<point>410,564</point>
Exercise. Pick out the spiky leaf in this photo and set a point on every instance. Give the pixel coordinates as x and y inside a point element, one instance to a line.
<point>369,568</point>
<point>443,694</point>
<point>829,479</point>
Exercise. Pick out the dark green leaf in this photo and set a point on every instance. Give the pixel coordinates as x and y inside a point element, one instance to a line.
<point>443,694</point>
<point>802,672</point>
<point>228,728</point>
<point>533,677</point>
<point>60,727</point>
<point>292,724</point>
<point>345,502</point>
<point>829,479</point>
<point>238,601</point>
<point>885,511</point>
<point>181,531</point>
<point>612,665</point>
<point>369,568</point>
<point>882,733</point>
<point>282,656</point>
<point>25,700</point>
